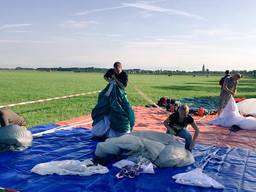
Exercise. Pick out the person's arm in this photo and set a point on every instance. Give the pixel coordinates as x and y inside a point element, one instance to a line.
<point>195,134</point>
<point>168,127</point>
<point>108,75</point>
<point>235,89</point>
<point>3,120</point>
<point>166,123</point>
<point>107,79</point>
<point>23,123</point>
<point>118,82</point>
<point>225,87</point>
<point>221,81</point>
<point>125,80</point>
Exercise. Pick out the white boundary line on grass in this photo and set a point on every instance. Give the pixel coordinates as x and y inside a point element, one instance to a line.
<point>64,127</point>
<point>49,99</point>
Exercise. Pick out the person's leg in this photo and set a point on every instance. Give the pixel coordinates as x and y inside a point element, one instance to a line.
<point>187,136</point>
<point>220,105</point>
<point>224,99</point>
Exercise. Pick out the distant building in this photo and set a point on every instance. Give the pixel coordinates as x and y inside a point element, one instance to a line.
<point>203,68</point>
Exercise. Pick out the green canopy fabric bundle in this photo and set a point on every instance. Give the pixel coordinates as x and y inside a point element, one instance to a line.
<point>113,102</point>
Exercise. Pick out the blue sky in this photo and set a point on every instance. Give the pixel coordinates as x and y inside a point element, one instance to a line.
<point>153,34</point>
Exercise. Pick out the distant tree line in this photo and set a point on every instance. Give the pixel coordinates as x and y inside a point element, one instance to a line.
<point>136,71</point>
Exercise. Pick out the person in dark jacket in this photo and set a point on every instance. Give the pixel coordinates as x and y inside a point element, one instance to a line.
<point>117,74</point>
<point>113,115</point>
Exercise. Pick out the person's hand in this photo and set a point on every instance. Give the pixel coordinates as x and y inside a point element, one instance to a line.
<point>192,146</point>
<point>171,132</point>
<point>113,76</point>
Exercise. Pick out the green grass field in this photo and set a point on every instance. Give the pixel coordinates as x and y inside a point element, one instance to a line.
<point>19,86</point>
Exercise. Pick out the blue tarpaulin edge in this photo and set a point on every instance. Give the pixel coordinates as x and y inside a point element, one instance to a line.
<point>236,173</point>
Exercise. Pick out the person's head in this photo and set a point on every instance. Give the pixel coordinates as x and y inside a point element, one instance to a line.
<point>227,72</point>
<point>236,76</point>
<point>118,67</point>
<point>183,110</point>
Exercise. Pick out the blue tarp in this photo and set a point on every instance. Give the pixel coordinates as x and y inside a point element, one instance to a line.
<point>209,103</point>
<point>236,173</point>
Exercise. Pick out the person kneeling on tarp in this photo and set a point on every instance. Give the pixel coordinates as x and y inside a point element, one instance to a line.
<point>113,115</point>
<point>176,124</point>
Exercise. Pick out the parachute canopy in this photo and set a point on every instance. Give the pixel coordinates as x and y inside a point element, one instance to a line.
<point>113,102</point>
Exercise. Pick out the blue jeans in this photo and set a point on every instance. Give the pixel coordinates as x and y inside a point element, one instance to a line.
<point>183,133</point>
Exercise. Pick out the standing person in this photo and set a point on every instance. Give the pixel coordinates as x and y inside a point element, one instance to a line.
<point>113,115</point>
<point>227,74</point>
<point>8,117</point>
<point>228,90</point>
<point>117,74</point>
<point>176,124</point>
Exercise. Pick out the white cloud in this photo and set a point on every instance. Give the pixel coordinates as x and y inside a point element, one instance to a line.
<point>10,26</point>
<point>19,31</point>
<point>159,42</point>
<point>145,7</point>
<point>154,8</point>
<point>77,24</point>
<point>241,36</point>
<point>156,40</point>
<point>145,14</point>
<point>168,37</point>
<point>100,35</point>
<point>112,35</point>
<point>225,34</point>
<point>154,1</point>
<point>24,41</point>
<point>99,10</point>
<point>213,32</point>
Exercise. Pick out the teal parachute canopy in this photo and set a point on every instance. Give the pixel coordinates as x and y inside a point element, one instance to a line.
<point>113,102</point>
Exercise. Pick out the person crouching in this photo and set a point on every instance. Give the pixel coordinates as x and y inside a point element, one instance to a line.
<point>176,125</point>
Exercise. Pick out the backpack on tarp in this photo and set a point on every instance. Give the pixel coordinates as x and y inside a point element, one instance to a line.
<point>163,102</point>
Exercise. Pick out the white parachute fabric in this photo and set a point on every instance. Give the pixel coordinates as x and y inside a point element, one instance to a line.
<point>196,177</point>
<point>122,163</point>
<point>247,107</point>
<point>145,165</point>
<point>69,167</point>
<point>16,136</point>
<point>231,116</point>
